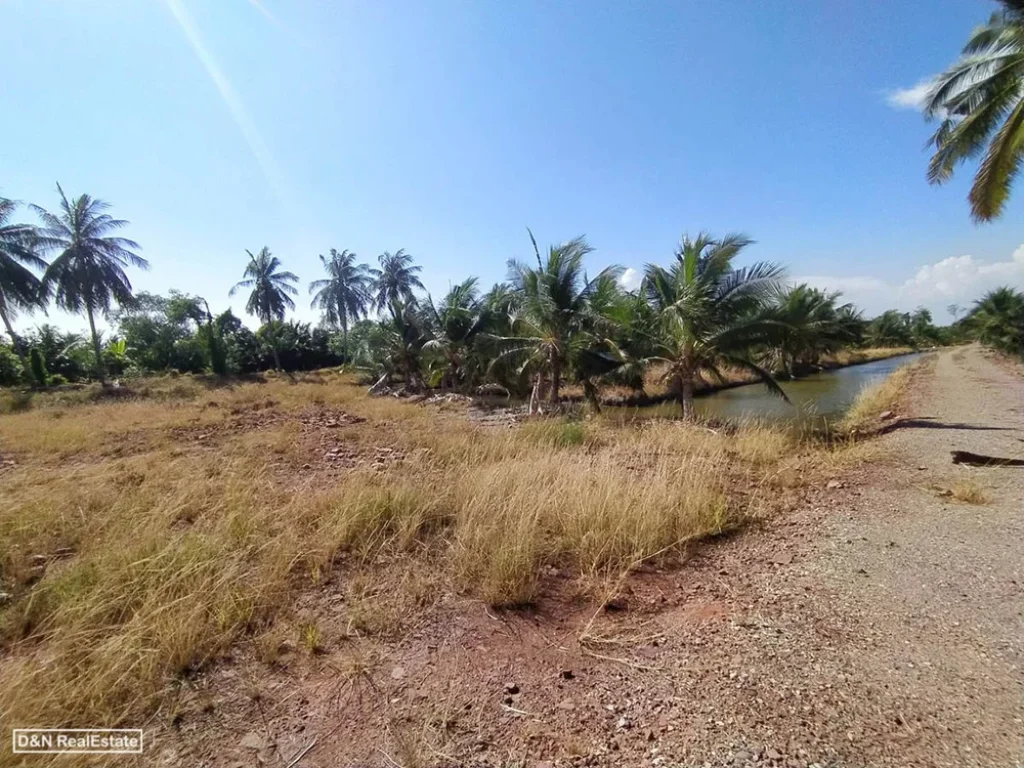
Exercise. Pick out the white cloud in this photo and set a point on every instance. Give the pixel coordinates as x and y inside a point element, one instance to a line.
<point>630,279</point>
<point>913,97</point>
<point>953,280</point>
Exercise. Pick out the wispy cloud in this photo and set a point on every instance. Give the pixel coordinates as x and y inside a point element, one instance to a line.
<point>914,97</point>
<point>231,99</point>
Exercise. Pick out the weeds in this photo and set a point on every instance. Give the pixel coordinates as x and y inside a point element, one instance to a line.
<point>875,400</point>
<point>969,492</point>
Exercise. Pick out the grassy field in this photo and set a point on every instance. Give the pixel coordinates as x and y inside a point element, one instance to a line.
<point>145,535</point>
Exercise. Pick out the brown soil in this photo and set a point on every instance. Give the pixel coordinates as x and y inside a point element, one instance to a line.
<point>877,625</point>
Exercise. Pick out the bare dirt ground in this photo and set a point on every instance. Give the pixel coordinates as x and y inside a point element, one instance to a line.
<point>878,624</point>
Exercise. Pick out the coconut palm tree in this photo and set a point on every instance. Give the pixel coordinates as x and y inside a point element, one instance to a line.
<point>555,315</point>
<point>980,102</point>
<point>808,324</point>
<point>394,282</point>
<point>892,328</point>
<point>455,325</point>
<point>271,292</point>
<point>19,286</point>
<point>998,320</point>
<point>345,294</point>
<point>710,313</point>
<point>88,273</point>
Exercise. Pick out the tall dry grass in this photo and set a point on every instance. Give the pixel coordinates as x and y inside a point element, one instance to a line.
<point>134,557</point>
<point>874,400</point>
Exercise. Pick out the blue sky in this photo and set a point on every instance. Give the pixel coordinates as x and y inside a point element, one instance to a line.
<point>448,127</point>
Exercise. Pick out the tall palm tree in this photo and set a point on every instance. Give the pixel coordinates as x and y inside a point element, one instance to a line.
<point>394,282</point>
<point>980,101</point>
<point>271,292</point>
<point>19,286</point>
<point>345,294</point>
<point>555,315</point>
<point>710,313</point>
<point>88,273</point>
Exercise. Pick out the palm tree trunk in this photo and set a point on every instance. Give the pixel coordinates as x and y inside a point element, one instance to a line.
<point>535,394</point>
<point>277,356</point>
<point>100,369</point>
<point>15,341</point>
<point>686,397</point>
<point>556,378</point>
<point>687,375</point>
<point>344,340</point>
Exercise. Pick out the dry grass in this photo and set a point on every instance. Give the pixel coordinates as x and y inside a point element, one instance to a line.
<point>846,357</point>
<point>875,400</point>
<point>969,492</point>
<point>135,556</point>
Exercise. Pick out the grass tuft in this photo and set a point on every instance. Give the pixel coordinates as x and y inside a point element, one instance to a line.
<point>969,492</point>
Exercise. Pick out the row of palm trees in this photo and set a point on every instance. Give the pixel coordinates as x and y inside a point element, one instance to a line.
<point>550,322</point>
<point>547,324</point>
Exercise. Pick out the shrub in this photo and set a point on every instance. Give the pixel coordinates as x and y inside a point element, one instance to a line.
<point>38,367</point>
<point>11,371</point>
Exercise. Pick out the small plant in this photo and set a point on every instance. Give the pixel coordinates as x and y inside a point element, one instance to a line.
<point>571,433</point>
<point>969,492</point>
<point>311,638</point>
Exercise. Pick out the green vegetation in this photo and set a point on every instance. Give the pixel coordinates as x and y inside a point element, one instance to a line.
<point>88,273</point>
<point>549,331</point>
<point>997,319</point>
<point>980,102</point>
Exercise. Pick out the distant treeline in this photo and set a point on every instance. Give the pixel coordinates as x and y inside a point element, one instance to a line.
<point>692,320</point>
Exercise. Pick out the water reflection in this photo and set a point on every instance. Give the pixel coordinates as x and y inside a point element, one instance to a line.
<point>819,398</point>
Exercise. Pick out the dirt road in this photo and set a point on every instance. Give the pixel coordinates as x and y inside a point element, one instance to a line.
<point>933,589</point>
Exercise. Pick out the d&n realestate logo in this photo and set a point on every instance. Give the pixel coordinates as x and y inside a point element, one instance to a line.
<point>95,741</point>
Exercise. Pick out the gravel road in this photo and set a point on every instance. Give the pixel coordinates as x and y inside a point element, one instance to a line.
<point>936,586</point>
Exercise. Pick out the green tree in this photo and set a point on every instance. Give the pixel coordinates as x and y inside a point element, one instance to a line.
<point>401,338</point>
<point>922,328</point>
<point>998,320</point>
<point>270,292</point>
<point>345,294</point>
<point>455,325</point>
<point>890,329</point>
<point>182,306</point>
<point>808,323</point>
<point>38,367</point>
<point>710,313</point>
<point>980,103</point>
<point>19,286</point>
<point>394,283</point>
<point>555,317</point>
<point>88,273</point>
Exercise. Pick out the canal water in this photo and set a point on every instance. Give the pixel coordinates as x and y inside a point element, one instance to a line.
<point>814,400</point>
